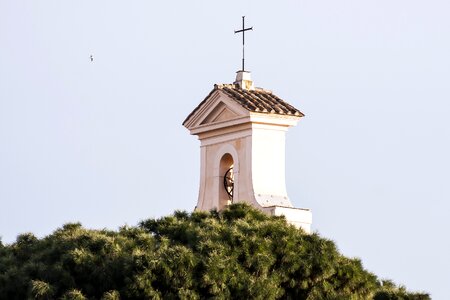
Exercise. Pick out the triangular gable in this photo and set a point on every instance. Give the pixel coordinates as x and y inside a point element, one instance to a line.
<point>216,108</point>
<point>220,113</point>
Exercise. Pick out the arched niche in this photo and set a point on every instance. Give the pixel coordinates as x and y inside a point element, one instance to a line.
<point>227,157</point>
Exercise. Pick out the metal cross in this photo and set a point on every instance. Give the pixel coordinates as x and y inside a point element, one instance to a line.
<point>243,30</point>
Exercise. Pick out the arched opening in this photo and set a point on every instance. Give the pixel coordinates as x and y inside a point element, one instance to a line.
<point>226,184</point>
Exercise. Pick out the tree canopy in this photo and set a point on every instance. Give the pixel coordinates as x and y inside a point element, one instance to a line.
<point>236,253</point>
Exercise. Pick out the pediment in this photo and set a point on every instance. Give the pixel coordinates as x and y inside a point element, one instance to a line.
<point>220,113</point>
<point>217,109</point>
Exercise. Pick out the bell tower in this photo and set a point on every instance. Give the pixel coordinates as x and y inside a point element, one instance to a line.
<point>242,130</point>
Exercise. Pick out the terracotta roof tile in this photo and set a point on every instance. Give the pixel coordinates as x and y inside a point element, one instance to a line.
<point>257,100</point>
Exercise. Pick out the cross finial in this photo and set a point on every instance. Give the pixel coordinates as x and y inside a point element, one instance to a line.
<point>243,30</point>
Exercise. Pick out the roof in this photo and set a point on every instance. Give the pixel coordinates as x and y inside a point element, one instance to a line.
<point>257,100</point>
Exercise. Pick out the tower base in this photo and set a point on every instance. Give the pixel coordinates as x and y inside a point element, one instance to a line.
<point>299,217</point>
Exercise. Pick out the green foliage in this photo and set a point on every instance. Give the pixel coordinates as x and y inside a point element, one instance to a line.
<point>111,295</point>
<point>41,290</point>
<point>235,253</point>
<point>73,294</point>
<point>389,291</point>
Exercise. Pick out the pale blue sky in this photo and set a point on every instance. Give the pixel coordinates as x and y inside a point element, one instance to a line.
<point>102,142</point>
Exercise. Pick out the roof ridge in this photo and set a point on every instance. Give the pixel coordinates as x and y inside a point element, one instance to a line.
<point>237,87</point>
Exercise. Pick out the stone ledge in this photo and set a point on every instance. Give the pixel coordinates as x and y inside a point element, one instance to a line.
<point>299,217</point>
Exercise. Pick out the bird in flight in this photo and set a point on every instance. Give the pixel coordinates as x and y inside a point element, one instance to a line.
<point>92,57</point>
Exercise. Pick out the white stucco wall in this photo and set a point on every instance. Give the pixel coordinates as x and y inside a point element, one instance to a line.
<point>259,166</point>
<point>268,165</point>
<point>238,145</point>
